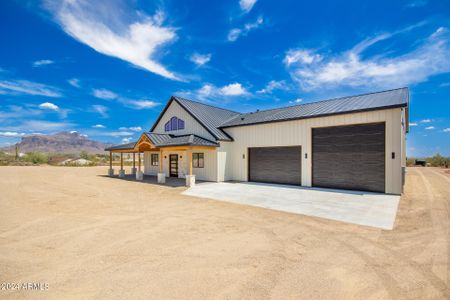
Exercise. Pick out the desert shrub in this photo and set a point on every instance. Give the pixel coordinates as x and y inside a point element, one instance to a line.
<point>36,157</point>
<point>410,162</point>
<point>436,160</point>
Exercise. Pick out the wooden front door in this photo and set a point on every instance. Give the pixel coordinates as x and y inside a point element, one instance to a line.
<point>173,165</point>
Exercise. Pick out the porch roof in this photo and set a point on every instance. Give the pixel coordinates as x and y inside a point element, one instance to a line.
<point>165,141</point>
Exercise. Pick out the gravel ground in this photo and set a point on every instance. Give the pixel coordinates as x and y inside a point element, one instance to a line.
<point>93,237</point>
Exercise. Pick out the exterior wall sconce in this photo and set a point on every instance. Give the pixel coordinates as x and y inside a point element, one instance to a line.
<point>243,156</point>
<point>306,155</point>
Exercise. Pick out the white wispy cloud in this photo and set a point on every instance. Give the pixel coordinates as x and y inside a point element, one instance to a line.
<point>74,82</point>
<point>111,28</point>
<point>446,130</point>
<point>200,59</point>
<point>126,140</point>
<point>296,101</point>
<point>139,104</point>
<point>25,87</point>
<point>11,133</point>
<point>133,128</point>
<point>48,105</point>
<point>43,62</point>
<point>119,133</point>
<point>104,94</point>
<point>44,126</point>
<point>101,110</point>
<point>233,89</point>
<point>98,126</point>
<point>429,127</point>
<point>208,91</point>
<point>131,103</point>
<point>235,33</point>
<point>313,70</point>
<point>273,85</point>
<point>413,124</point>
<point>426,121</point>
<point>247,5</point>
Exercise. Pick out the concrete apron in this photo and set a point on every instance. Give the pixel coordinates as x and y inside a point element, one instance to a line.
<point>362,208</point>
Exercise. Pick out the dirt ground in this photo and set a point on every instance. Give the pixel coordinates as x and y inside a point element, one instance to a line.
<point>90,236</point>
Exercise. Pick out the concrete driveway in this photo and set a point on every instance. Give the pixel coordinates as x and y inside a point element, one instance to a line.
<point>362,208</point>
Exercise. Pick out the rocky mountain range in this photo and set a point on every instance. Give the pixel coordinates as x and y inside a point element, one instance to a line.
<point>62,142</point>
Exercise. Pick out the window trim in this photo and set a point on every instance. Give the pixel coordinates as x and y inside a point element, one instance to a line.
<point>154,163</point>
<point>196,157</point>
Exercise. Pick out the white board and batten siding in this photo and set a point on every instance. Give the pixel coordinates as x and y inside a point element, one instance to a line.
<point>299,132</point>
<point>207,173</point>
<point>148,168</point>
<point>191,126</point>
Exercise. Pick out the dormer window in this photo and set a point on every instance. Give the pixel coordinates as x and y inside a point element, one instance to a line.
<point>174,124</point>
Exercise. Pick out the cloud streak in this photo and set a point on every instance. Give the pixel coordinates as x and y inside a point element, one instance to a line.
<point>246,5</point>
<point>236,33</point>
<point>312,70</point>
<point>43,62</point>
<point>131,103</point>
<point>107,29</point>
<point>25,87</point>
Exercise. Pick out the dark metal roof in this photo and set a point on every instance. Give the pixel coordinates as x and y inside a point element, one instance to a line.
<point>129,146</point>
<point>351,104</point>
<point>168,140</point>
<point>210,117</point>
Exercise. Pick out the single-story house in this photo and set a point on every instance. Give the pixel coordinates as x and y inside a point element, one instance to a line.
<point>355,142</point>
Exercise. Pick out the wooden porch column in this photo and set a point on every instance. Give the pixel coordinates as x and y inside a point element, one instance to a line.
<point>190,161</point>
<point>121,160</point>
<point>139,162</point>
<point>110,159</point>
<point>134,161</point>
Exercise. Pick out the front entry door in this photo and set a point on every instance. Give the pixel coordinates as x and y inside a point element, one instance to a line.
<point>173,158</point>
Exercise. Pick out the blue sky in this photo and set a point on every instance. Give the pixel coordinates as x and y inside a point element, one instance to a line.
<point>106,70</point>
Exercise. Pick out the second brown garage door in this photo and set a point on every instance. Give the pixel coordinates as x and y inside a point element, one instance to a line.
<point>275,165</point>
<point>349,157</point>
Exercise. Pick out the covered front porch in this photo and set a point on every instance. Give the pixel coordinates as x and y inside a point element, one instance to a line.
<point>166,157</point>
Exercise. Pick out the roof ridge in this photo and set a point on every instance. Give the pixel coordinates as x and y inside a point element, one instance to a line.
<point>198,102</point>
<point>320,101</point>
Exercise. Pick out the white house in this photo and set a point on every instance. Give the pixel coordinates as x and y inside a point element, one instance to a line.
<point>355,142</point>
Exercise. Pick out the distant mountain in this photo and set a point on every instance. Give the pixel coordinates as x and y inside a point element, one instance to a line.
<point>63,142</point>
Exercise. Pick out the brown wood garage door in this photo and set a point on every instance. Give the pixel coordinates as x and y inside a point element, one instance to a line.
<point>349,157</point>
<point>275,165</point>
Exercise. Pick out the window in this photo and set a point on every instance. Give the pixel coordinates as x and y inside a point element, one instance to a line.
<point>198,160</point>
<point>154,160</point>
<point>174,124</point>
<point>180,124</point>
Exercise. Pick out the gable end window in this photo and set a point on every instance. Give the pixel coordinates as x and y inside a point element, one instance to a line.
<point>155,160</point>
<point>198,160</point>
<point>174,124</point>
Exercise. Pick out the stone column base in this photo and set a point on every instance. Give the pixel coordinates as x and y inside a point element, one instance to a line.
<point>110,172</point>
<point>121,173</point>
<point>139,175</point>
<point>161,177</point>
<point>133,170</point>
<point>190,180</point>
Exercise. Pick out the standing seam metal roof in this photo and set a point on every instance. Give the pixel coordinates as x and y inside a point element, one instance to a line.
<point>372,101</point>
<point>210,116</point>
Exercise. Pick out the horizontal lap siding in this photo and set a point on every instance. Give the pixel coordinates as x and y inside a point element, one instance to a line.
<point>275,165</point>
<point>349,157</point>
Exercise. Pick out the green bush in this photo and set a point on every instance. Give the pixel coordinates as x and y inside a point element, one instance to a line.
<point>36,157</point>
